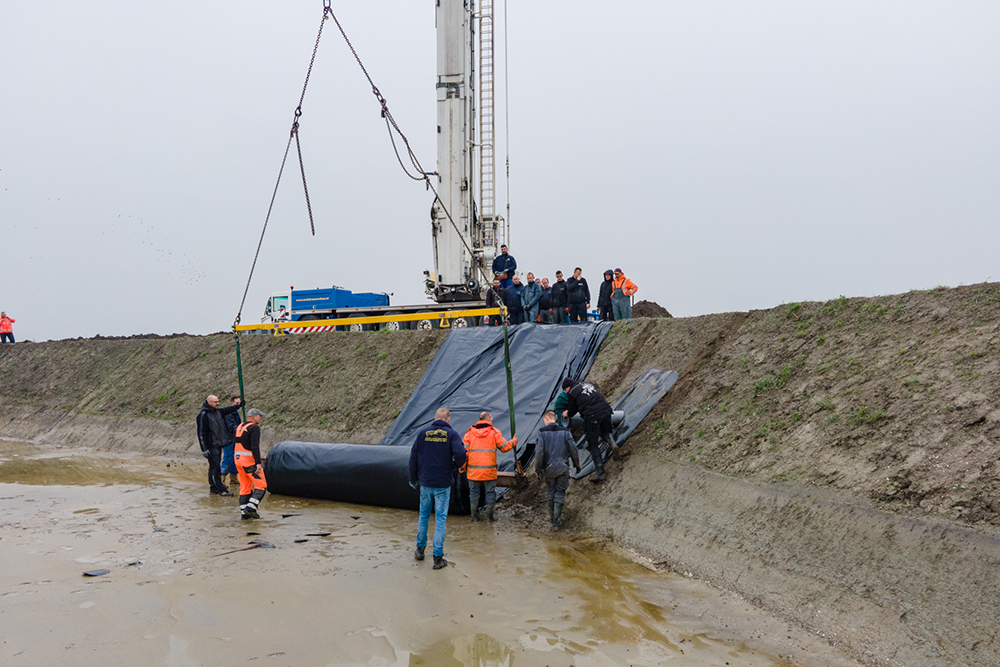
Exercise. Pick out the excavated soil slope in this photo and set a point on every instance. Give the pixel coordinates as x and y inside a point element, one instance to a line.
<point>143,393</point>
<point>833,462</point>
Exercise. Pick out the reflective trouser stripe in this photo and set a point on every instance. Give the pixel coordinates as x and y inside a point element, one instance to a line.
<point>483,467</point>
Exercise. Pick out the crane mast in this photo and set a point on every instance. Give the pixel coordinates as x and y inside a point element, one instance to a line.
<point>466,242</point>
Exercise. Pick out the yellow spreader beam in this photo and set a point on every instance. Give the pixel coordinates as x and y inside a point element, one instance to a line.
<point>444,318</point>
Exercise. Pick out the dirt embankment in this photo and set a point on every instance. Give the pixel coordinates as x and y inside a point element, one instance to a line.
<point>143,394</point>
<point>833,462</point>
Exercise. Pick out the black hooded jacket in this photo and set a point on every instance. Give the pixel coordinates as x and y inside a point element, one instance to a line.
<point>585,399</point>
<point>604,298</point>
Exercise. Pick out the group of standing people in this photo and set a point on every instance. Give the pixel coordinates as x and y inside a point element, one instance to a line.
<point>439,453</point>
<point>232,448</point>
<point>562,302</point>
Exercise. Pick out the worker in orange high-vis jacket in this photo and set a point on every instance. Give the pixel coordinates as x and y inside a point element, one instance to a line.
<point>482,442</point>
<point>249,466</point>
<point>622,290</point>
<point>6,330</point>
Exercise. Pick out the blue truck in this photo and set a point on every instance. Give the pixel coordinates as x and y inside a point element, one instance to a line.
<point>330,303</point>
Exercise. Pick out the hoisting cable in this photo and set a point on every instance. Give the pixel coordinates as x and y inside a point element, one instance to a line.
<point>293,134</point>
<point>391,126</point>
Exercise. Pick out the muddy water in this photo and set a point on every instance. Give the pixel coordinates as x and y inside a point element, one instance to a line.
<point>348,593</point>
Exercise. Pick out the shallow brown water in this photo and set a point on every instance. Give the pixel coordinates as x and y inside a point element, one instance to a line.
<point>354,597</point>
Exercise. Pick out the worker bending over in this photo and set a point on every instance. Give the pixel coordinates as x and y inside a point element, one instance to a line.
<point>593,407</point>
<point>481,443</point>
<point>249,466</point>
<point>557,449</point>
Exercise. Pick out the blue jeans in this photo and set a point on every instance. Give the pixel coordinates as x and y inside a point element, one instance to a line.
<point>438,500</point>
<point>228,464</point>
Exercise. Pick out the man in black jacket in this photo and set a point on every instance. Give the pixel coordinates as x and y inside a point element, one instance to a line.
<point>545,303</point>
<point>211,423</point>
<point>577,296</point>
<point>559,315</point>
<point>555,450</point>
<point>604,299</point>
<point>593,407</point>
<point>514,301</point>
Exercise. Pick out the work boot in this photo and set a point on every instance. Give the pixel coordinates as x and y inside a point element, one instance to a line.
<point>418,553</point>
<point>440,562</point>
<point>226,493</point>
<point>557,516</point>
<point>552,512</point>
<point>598,477</point>
<point>475,514</point>
<point>249,514</point>
<point>489,513</point>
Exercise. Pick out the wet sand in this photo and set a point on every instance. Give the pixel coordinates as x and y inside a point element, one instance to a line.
<point>353,597</point>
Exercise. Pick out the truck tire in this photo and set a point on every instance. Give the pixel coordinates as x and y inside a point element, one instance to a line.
<point>356,327</point>
<point>430,323</point>
<point>463,322</point>
<point>395,326</point>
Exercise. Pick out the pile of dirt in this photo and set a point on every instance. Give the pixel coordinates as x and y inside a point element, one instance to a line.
<point>649,309</point>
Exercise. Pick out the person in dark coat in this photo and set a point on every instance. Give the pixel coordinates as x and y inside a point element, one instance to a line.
<point>596,412</point>
<point>577,296</point>
<point>545,303</point>
<point>495,296</point>
<point>514,301</point>
<point>604,298</point>
<point>504,266</point>
<point>555,450</point>
<point>436,455</point>
<point>559,314</point>
<point>212,434</point>
<point>530,296</point>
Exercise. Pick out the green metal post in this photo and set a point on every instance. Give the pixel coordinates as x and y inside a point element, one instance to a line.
<point>239,371</point>
<point>510,381</point>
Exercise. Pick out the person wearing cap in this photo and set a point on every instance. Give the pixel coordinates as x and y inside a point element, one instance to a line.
<point>622,290</point>
<point>249,465</point>
<point>604,298</point>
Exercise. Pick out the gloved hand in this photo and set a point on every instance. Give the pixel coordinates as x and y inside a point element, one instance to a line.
<point>414,486</point>
<point>578,469</point>
<point>204,453</point>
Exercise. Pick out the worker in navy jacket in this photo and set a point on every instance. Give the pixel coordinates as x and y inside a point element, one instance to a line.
<point>504,266</point>
<point>436,454</point>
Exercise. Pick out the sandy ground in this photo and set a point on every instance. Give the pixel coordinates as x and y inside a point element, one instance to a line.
<point>353,597</point>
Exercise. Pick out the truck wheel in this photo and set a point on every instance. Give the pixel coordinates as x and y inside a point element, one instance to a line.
<point>463,322</point>
<point>356,327</point>
<point>395,326</point>
<point>428,324</point>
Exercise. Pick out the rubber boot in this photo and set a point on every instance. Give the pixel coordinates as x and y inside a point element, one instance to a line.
<point>557,516</point>
<point>418,553</point>
<point>440,562</point>
<point>489,513</point>
<point>475,514</point>
<point>552,512</point>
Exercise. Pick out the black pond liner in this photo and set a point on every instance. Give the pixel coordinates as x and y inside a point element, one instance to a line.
<point>467,376</point>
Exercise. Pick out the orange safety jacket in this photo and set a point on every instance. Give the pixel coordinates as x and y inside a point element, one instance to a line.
<point>243,451</point>
<point>624,284</point>
<point>5,325</point>
<point>482,442</point>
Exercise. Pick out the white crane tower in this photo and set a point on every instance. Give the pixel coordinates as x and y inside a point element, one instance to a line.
<point>465,242</point>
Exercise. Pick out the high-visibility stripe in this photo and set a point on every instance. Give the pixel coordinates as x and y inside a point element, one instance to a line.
<point>483,467</point>
<point>485,451</point>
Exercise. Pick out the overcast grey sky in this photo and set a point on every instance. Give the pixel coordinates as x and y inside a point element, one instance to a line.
<point>727,155</point>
